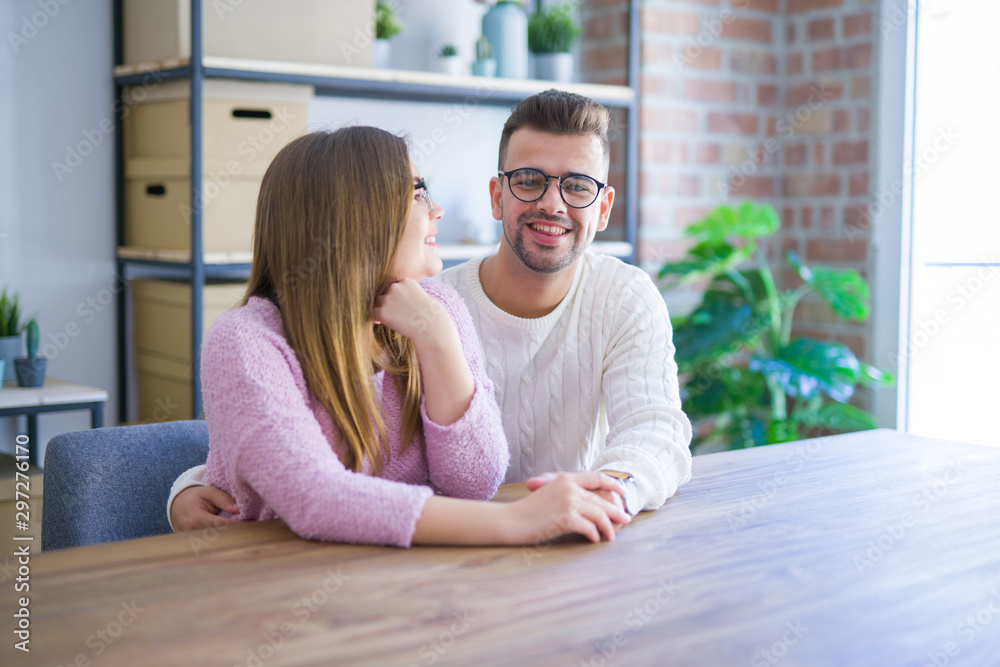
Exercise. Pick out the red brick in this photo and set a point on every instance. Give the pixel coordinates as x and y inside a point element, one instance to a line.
<point>709,154</point>
<point>652,84</point>
<point>710,91</point>
<point>598,27</point>
<point>864,120</point>
<point>753,62</point>
<point>857,24</point>
<point>826,218</point>
<point>807,217</point>
<point>790,33</point>
<point>679,120</point>
<point>703,59</point>
<point>754,30</point>
<point>787,217</point>
<point>857,217</point>
<point>607,78</point>
<point>656,54</point>
<point>685,216</point>
<point>841,120</point>
<point>703,2</point>
<point>850,152</point>
<point>757,5</point>
<point>607,3</point>
<point>856,342</point>
<point>751,186</point>
<point>846,57</point>
<point>819,154</point>
<point>794,63</point>
<point>767,94</point>
<point>857,184</point>
<point>645,183</point>
<point>836,250</point>
<point>814,93</point>
<point>811,185</point>
<point>795,6</point>
<point>670,22</point>
<point>732,123</point>
<point>688,186</point>
<point>861,88</point>
<point>772,126</point>
<point>820,30</point>
<point>606,57</point>
<point>795,155</point>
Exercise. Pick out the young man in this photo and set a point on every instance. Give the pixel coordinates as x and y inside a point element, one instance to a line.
<point>578,346</point>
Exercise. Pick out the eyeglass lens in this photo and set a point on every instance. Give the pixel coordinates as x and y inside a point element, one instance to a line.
<point>577,191</point>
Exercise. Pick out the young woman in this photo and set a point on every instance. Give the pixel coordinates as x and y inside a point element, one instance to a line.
<point>347,398</point>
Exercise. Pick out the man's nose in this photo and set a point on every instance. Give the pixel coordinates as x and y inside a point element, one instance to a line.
<point>552,201</point>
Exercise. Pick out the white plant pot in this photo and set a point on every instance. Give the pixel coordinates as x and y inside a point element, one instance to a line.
<point>450,65</point>
<point>382,53</point>
<point>554,67</point>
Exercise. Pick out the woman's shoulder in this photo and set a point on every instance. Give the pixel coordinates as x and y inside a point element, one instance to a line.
<point>257,323</point>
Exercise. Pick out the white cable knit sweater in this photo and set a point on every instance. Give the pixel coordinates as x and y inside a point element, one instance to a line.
<point>593,384</point>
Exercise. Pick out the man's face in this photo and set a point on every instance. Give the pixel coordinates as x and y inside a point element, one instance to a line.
<point>547,235</point>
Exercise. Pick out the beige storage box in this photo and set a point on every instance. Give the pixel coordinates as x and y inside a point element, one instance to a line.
<point>162,335</point>
<point>162,314</point>
<point>241,121</point>
<point>158,205</point>
<point>325,32</point>
<point>8,506</point>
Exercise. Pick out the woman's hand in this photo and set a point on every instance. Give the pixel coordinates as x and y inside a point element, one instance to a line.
<point>562,503</point>
<point>407,309</point>
<point>199,506</point>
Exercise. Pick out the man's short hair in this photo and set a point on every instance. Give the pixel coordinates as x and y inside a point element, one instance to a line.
<point>558,112</point>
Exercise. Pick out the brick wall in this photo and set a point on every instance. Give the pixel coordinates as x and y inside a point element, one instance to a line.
<point>762,99</point>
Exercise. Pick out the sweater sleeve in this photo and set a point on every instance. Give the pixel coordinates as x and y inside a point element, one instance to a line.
<point>468,458</point>
<point>649,435</point>
<point>268,447</point>
<point>192,477</point>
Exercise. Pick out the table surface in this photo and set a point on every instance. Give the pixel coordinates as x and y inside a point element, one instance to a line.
<point>874,548</point>
<point>53,392</point>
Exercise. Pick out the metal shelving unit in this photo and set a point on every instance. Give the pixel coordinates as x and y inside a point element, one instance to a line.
<point>328,81</point>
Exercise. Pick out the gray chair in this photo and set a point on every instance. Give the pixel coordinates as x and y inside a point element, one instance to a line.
<point>111,484</point>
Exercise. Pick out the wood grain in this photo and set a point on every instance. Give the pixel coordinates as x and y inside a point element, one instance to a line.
<point>864,549</point>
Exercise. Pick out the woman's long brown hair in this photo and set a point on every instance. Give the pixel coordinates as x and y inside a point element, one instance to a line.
<point>330,215</point>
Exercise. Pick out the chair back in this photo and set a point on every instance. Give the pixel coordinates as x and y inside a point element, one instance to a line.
<point>110,484</point>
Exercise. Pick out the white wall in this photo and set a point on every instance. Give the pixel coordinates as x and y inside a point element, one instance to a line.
<point>58,248</point>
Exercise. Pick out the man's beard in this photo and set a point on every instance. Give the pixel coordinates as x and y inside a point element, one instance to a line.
<point>544,260</point>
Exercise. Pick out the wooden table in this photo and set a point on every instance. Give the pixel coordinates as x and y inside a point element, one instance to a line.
<point>53,396</point>
<point>876,549</point>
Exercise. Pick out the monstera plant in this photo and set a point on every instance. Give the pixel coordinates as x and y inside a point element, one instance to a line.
<point>741,369</point>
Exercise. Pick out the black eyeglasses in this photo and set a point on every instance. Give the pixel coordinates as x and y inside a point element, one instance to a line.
<point>577,190</point>
<point>422,192</point>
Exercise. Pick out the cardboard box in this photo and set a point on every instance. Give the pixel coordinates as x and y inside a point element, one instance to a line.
<point>325,32</point>
<point>8,504</point>
<point>241,120</point>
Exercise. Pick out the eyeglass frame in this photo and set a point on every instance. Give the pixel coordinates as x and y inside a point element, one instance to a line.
<point>600,186</point>
<point>422,185</point>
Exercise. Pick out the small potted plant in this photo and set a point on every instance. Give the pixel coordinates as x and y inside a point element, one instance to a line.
<point>31,369</point>
<point>387,25</point>
<point>485,64</point>
<point>10,334</point>
<point>551,34</point>
<point>448,61</point>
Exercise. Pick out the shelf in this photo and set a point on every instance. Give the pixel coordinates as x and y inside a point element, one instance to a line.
<point>215,261</point>
<point>374,83</point>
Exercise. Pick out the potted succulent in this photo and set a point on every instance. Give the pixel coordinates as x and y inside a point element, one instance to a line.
<point>10,334</point>
<point>448,61</point>
<point>387,25</point>
<point>31,369</point>
<point>551,34</point>
<point>485,64</point>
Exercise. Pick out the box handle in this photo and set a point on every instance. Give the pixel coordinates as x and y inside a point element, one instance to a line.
<point>256,114</point>
<point>156,190</point>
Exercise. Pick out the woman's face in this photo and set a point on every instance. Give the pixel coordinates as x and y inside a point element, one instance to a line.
<point>417,256</point>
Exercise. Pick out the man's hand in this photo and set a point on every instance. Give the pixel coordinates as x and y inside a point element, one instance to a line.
<point>199,506</point>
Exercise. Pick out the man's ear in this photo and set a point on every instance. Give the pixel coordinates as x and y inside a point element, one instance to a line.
<point>496,190</point>
<point>607,201</point>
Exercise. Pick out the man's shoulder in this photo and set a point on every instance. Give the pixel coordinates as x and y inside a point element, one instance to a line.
<point>608,274</point>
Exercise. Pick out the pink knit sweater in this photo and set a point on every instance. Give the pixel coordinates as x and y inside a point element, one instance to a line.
<point>274,447</point>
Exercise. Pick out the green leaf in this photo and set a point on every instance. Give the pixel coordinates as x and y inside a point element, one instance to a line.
<point>719,326</point>
<point>714,390</point>
<point>705,261</point>
<point>845,290</point>
<point>872,376</point>
<point>841,417</point>
<point>747,221</point>
<point>804,271</point>
<point>807,366</point>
